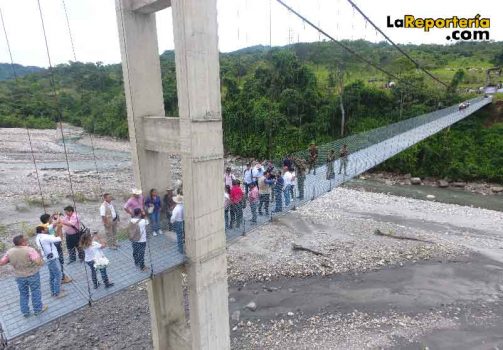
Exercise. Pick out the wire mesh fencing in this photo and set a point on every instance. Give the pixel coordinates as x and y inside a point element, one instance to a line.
<point>134,262</point>
<point>365,151</point>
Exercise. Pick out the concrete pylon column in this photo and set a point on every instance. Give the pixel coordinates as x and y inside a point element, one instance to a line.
<point>144,99</point>
<point>141,70</point>
<point>198,86</point>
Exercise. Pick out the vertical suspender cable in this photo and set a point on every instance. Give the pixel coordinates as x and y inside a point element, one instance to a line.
<point>90,134</point>
<point>57,104</point>
<point>59,111</point>
<point>26,124</point>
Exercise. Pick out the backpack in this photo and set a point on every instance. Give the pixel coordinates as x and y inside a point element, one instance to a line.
<point>134,232</point>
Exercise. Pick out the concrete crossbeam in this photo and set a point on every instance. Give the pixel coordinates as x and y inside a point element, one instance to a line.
<point>161,134</point>
<point>149,6</point>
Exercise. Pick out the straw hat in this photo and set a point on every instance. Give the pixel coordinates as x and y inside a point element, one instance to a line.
<point>178,199</point>
<point>136,191</point>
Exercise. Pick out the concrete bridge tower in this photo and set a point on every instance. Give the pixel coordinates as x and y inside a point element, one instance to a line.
<point>197,136</point>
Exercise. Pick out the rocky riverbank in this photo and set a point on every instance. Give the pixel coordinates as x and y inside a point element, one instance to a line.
<point>349,270</point>
<point>393,179</point>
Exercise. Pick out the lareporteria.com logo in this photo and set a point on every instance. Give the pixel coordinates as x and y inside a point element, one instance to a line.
<point>464,28</point>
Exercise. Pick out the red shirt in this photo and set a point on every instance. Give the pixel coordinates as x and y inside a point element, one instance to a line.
<point>236,194</point>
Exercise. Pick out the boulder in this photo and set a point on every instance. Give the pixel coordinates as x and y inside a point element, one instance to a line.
<point>497,189</point>
<point>252,306</point>
<point>415,180</point>
<point>430,196</point>
<point>442,184</point>
<point>460,184</point>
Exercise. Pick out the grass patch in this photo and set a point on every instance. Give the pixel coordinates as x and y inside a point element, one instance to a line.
<point>27,229</point>
<point>3,231</point>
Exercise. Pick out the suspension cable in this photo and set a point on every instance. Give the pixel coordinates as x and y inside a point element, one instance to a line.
<point>345,47</point>
<point>26,123</point>
<point>90,134</point>
<point>57,104</point>
<point>418,66</point>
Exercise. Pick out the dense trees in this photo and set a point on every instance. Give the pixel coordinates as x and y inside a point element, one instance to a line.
<point>276,101</point>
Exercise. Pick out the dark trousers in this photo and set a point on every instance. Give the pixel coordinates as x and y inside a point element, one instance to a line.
<point>103,272</point>
<point>139,253</point>
<point>72,244</point>
<point>180,236</point>
<point>59,248</point>
<point>279,200</point>
<point>300,184</point>
<point>236,215</point>
<point>226,217</point>
<point>264,201</point>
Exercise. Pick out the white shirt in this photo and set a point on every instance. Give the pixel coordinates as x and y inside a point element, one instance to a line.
<point>103,207</point>
<point>142,224</point>
<point>288,177</point>
<point>257,172</point>
<point>92,252</point>
<point>228,178</point>
<point>248,176</point>
<point>46,245</point>
<point>177,214</point>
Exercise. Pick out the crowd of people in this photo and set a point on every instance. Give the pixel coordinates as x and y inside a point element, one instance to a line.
<point>262,184</point>
<point>88,246</point>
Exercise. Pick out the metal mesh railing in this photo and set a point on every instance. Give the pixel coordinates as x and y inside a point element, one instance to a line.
<point>161,252</point>
<point>366,150</point>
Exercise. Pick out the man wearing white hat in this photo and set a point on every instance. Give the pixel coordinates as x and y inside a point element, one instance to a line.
<point>177,222</point>
<point>135,201</point>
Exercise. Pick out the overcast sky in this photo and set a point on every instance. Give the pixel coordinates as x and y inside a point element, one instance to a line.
<point>242,23</point>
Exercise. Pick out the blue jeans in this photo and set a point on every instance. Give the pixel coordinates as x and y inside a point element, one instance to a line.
<point>253,207</point>
<point>155,220</point>
<point>54,276</point>
<point>25,286</point>
<point>180,235</point>
<point>286,192</point>
<point>103,272</point>
<point>139,253</point>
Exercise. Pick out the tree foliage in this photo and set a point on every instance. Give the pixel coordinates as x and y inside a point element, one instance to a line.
<point>276,101</point>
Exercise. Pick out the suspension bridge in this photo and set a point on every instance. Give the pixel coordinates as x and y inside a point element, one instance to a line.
<point>367,150</point>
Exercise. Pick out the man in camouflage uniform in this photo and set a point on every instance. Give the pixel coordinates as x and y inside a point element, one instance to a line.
<point>313,157</point>
<point>300,170</point>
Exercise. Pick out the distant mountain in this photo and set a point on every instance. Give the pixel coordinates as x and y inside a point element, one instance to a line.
<point>6,70</point>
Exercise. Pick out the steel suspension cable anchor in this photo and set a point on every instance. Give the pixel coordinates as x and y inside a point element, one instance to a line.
<point>26,124</point>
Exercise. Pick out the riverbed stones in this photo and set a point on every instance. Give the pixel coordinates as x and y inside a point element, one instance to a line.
<point>236,315</point>
<point>497,189</point>
<point>415,180</point>
<point>252,306</point>
<point>442,184</point>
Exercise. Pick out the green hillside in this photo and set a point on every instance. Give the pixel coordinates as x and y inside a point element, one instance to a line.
<point>7,73</point>
<point>278,100</point>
